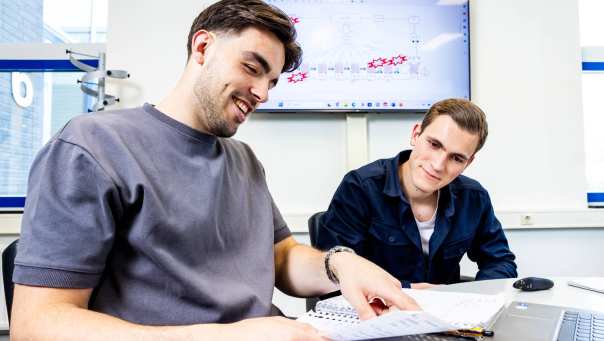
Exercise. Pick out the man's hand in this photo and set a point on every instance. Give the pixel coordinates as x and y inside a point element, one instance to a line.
<point>362,281</point>
<point>272,328</point>
<point>422,285</point>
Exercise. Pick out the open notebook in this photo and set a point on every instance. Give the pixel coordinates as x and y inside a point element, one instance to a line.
<point>442,311</point>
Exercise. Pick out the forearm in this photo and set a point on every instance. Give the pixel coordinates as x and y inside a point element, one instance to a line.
<point>491,250</point>
<point>495,270</point>
<point>495,260</point>
<point>301,272</point>
<point>68,322</point>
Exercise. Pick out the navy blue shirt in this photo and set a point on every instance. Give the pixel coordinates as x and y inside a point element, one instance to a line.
<point>370,214</point>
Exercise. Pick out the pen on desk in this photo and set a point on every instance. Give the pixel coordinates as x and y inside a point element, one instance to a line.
<point>471,332</point>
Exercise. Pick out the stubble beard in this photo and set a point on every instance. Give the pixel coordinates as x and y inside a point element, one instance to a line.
<point>210,111</point>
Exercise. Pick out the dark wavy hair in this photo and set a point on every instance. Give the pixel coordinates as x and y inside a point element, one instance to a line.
<point>233,16</point>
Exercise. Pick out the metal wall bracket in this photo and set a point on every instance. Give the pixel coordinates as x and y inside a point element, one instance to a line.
<point>96,89</point>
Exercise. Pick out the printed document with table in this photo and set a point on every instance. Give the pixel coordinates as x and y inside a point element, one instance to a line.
<point>442,311</point>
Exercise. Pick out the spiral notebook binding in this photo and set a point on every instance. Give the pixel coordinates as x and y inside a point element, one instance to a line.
<point>336,317</point>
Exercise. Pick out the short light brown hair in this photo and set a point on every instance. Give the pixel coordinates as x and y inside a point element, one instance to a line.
<point>466,114</point>
<point>233,16</point>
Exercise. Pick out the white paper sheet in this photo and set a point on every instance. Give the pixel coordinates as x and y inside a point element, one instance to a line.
<point>396,323</point>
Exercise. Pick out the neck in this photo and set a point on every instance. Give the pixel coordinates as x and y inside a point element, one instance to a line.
<point>182,105</point>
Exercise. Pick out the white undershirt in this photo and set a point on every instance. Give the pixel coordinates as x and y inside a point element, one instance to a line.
<point>426,228</point>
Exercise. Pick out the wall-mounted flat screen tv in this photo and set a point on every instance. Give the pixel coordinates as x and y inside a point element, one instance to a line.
<point>375,55</point>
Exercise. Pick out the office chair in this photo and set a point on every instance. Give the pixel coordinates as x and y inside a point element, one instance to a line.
<point>313,231</point>
<point>313,227</point>
<point>8,265</point>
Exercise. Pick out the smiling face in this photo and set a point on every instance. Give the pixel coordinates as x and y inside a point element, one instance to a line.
<point>440,153</point>
<point>237,71</point>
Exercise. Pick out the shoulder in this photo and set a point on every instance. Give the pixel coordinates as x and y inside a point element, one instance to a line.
<point>88,128</point>
<point>374,170</point>
<point>369,178</point>
<point>463,185</point>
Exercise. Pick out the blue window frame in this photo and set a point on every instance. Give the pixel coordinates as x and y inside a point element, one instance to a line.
<point>42,65</point>
<point>12,203</point>
<point>593,66</point>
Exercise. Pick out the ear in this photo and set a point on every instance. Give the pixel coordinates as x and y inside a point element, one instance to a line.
<point>199,45</point>
<point>417,128</point>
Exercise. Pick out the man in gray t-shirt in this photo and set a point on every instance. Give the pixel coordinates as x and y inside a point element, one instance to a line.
<point>150,223</point>
<point>170,233</point>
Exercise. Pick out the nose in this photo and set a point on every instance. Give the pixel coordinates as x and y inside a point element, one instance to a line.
<point>260,91</point>
<point>439,161</point>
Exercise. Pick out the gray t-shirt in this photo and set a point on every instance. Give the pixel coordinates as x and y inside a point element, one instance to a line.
<point>170,226</point>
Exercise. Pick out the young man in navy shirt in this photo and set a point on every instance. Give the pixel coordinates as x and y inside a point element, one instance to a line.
<point>415,215</point>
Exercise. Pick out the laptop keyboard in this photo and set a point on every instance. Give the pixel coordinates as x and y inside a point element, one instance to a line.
<point>581,327</point>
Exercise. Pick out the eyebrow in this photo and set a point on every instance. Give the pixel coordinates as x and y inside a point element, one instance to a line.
<point>442,146</point>
<point>465,158</point>
<point>260,60</point>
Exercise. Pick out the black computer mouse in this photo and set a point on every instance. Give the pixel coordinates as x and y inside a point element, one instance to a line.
<point>533,284</point>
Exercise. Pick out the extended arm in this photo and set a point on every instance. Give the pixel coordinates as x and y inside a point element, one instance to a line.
<point>61,314</point>
<point>300,271</point>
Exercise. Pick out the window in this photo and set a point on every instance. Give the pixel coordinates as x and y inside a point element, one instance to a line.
<point>592,42</point>
<point>25,127</point>
<point>53,21</point>
<point>39,92</point>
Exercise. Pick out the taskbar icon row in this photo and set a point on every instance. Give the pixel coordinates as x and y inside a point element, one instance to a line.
<point>352,104</point>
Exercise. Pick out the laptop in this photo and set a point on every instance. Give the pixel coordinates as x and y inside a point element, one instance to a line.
<point>539,322</point>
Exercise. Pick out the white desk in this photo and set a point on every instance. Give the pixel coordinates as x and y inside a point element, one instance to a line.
<point>561,294</point>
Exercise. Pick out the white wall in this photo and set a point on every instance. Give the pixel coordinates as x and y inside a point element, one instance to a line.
<point>525,74</point>
<point>525,64</point>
